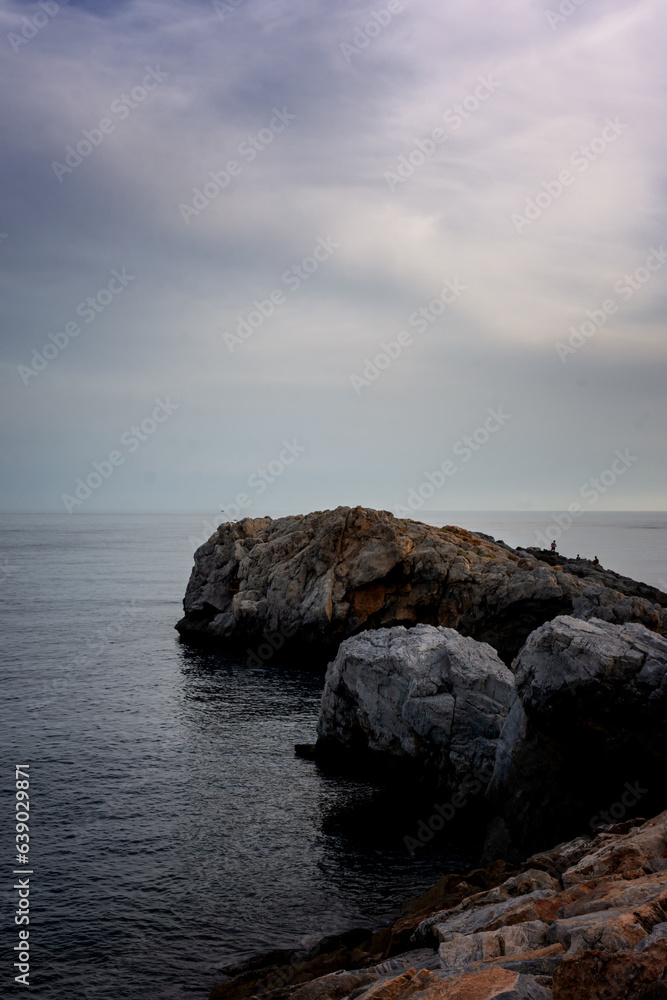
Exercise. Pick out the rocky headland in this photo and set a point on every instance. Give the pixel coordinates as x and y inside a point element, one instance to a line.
<point>529,690</point>
<point>312,580</point>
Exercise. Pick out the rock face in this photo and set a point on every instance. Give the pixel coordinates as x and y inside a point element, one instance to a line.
<point>318,579</point>
<point>586,920</point>
<point>426,693</point>
<point>588,729</point>
<point>573,737</point>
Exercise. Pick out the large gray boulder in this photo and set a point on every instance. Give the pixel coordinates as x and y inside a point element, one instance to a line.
<point>426,693</point>
<point>317,579</point>
<point>588,732</point>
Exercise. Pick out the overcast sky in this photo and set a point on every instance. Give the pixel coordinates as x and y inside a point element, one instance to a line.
<point>500,156</point>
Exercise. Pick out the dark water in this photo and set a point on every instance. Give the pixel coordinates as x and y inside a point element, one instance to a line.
<point>172,828</point>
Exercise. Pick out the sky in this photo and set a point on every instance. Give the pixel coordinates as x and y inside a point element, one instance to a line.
<point>269,256</point>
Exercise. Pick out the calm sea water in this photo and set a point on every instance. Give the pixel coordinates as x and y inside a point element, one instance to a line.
<point>172,828</point>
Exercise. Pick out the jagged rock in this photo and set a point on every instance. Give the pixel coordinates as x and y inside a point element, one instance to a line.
<point>320,578</point>
<point>627,852</point>
<point>623,975</point>
<point>539,905</point>
<point>491,983</point>
<point>600,934</point>
<point>586,738</point>
<point>600,577</point>
<point>425,693</point>
<point>568,656</point>
<point>336,986</point>
<point>612,606</point>
<point>464,949</point>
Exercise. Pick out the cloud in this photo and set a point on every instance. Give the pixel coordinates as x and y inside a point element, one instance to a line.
<point>517,102</point>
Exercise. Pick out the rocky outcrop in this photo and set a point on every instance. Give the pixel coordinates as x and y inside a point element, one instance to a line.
<point>595,574</point>
<point>427,693</point>
<point>586,920</point>
<point>588,731</point>
<point>573,737</point>
<point>317,579</point>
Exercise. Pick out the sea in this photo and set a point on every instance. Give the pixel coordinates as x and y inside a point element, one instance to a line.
<point>173,831</point>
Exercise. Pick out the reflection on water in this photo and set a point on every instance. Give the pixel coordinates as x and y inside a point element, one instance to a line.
<point>173,828</point>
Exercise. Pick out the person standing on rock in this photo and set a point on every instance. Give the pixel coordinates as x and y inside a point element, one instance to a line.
<point>553,546</point>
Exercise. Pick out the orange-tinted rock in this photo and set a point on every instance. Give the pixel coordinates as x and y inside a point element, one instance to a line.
<point>465,949</point>
<point>520,884</point>
<point>609,930</point>
<point>450,890</point>
<point>551,951</point>
<point>491,983</point>
<point>484,985</point>
<point>614,892</point>
<point>324,576</point>
<point>334,987</point>
<point>603,938</point>
<point>621,854</point>
<point>403,986</point>
<point>598,975</point>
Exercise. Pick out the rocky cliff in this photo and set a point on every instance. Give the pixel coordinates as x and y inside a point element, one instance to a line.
<point>317,579</point>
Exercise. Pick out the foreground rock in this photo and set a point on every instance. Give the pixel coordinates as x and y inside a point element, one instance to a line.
<point>320,578</point>
<point>586,920</point>
<point>575,738</point>
<point>588,730</point>
<point>427,694</point>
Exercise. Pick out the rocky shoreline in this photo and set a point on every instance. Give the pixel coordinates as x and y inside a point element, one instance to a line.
<point>528,690</point>
<point>586,920</point>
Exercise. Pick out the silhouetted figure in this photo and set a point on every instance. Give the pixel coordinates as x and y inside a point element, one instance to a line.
<point>553,546</point>
<point>596,561</point>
